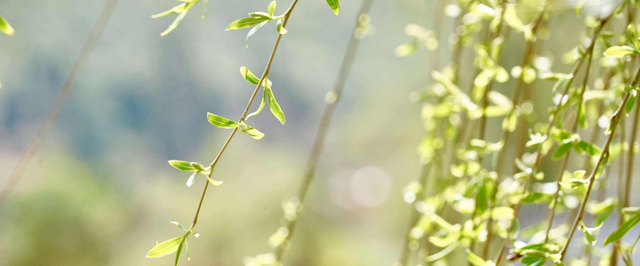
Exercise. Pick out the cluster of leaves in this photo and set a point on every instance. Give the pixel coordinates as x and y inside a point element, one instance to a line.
<point>257,19</point>
<point>477,191</point>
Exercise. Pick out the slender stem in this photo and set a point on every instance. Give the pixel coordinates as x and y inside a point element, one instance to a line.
<point>325,121</point>
<point>574,129</point>
<point>487,90</point>
<point>614,252</point>
<point>625,192</point>
<point>506,133</point>
<point>63,94</point>
<point>521,131</point>
<point>437,26</point>
<point>405,252</point>
<point>539,153</point>
<point>605,152</point>
<point>246,110</point>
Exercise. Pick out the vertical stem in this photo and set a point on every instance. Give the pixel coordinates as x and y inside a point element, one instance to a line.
<point>325,121</point>
<point>244,114</point>
<point>605,152</point>
<point>574,129</point>
<point>405,252</point>
<point>506,133</point>
<point>63,94</point>
<point>539,155</point>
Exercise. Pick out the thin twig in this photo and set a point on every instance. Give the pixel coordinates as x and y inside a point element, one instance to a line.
<point>325,121</point>
<point>506,133</point>
<point>574,129</point>
<point>605,152</point>
<point>63,94</point>
<point>539,153</point>
<point>246,110</point>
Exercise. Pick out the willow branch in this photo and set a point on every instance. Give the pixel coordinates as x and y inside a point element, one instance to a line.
<point>605,153</point>
<point>63,94</point>
<point>539,153</point>
<point>246,110</point>
<point>574,129</point>
<point>506,133</point>
<point>325,122</point>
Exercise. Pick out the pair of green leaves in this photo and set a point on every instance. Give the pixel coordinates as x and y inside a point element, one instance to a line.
<point>257,20</point>
<point>267,95</point>
<point>580,146</point>
<point>181,10</point>
<point>173,245</point>
<point>222,122</point>
<point>196,168</point>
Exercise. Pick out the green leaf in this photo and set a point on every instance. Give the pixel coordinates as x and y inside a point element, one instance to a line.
<point>631,210</point>
<point>502,213</point>
<point>254,133</point>
<point>197,166</point>
<point>5,27</point>
<point>176,9</point>
<point>274,106</point>
<point>264,99</point>
<point>254,30</point>
<point>246,22</point>
<point>619,51</point>
<point>272,8</point>
<point>482,198</point>
<point>182,165</point>
<point>562,150</point>
<point>214,182</point>
<point>192,179</point>
<point>510,122</point>
<point>602,210</point>
<point>475,259</point>
<point>406,49</point>
<point>280,27</point>
<point>631,35</point>
<point>335,6</point>
<point>186,241</point>
<point>500,100</point>
<point>179,225</point>
<point>443,253</point>
<point>221,122</point>
<point>260,14</point>
<point>589,148</point>
<point>179,251</point>
<point>633,96</point>
<point>588,234</point>
<point>535,197</point>
<point>622,230</point>
<point>250,77</point>
<point>165,248</point>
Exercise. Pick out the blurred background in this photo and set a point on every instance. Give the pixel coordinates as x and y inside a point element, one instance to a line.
<point>99,191</point>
